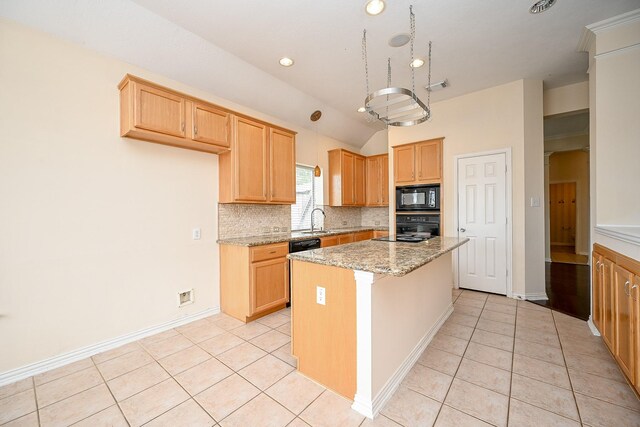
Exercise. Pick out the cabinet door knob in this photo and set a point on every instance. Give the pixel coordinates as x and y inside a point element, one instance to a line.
<point>462,230</point>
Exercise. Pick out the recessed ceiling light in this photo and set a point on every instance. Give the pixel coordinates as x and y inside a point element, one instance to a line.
<point>286,62</point>
<point>541,6</point>
<point>416,63</point>
<point>374,7</point>
<point>399,40</point>
<point>361,110</point>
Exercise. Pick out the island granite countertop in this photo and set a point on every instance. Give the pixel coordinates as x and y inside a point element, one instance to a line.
<point>391,258</point>
<point>266,239</point>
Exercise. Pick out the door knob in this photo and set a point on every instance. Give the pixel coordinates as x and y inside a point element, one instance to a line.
<point>463,230</point>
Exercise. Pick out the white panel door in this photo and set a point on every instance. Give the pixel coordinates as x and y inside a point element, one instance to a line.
<point>482,218</point>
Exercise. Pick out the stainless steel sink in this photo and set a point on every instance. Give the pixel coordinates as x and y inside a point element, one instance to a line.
<point>315,232</point>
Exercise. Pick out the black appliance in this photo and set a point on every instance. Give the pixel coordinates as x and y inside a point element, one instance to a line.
<point>418,225</point>
<point>299,246</point>
<point>418,198</point>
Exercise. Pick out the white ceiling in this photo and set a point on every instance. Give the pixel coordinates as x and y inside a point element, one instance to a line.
<point>231,48</point>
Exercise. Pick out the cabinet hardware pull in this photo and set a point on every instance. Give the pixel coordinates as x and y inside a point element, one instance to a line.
<point>272,252</point>
<point>183,127</point>
<point>626,288</point>
<point>635,285</point>
<point>195,130</point>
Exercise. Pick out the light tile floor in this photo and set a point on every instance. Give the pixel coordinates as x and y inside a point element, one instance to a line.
<point>496,361</point>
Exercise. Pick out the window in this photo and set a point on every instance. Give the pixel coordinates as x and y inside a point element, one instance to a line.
<point>308,193</point>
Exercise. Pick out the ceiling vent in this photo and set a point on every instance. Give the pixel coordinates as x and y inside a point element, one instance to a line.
<point>541,6</point>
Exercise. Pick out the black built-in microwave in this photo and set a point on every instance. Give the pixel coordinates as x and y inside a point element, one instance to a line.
<point>418,198</point>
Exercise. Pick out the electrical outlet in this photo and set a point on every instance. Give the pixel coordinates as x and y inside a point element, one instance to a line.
<point>344,222</point>
<point>320,295</point>
<point>196,234</point>
<point>284,229</point>
<point>377,223</point>
<point>276,229</point>
<point>266,230</point>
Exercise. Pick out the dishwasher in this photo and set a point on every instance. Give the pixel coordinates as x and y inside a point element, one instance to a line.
<point>299,246</point>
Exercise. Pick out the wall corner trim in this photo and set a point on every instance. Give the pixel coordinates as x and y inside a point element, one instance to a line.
<point>26,371</point>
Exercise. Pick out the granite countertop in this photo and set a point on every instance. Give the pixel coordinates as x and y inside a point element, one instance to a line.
<point>267,239</point>
<point>391,258</point>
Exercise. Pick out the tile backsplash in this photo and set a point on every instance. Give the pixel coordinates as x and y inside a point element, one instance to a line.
<point>241,220</point>
<point>375,217</point>
<point>341,217</point>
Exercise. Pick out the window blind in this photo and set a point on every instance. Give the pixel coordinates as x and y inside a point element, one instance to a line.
<point>305,198</point>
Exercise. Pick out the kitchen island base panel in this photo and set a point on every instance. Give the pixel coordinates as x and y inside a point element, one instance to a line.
<point>405,314</point>
<point>393,318</point>
<point>323,337</point>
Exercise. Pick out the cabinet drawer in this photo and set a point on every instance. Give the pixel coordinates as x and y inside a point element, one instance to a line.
<point>345,238</point>
<point>261,253</point>
<point>380,233</point>
<point>363,235</point>
<point>325,242</point>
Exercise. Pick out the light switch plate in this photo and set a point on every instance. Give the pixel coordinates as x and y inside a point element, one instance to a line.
<point>535,202</point>
<point>196,234</point>
<point>321,295</point>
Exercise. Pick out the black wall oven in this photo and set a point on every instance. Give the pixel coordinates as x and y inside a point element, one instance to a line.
<point>418,225</point>
<point>418,198</point>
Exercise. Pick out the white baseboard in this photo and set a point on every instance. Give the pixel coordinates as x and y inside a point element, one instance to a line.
<point>18,374</point>
<point>593,328</point>
<point>371,409</point>
<point>537,296</point>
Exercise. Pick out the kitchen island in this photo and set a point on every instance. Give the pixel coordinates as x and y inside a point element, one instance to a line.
<point>363,313</point>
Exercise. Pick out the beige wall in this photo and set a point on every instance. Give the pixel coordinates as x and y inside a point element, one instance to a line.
<point>534,188</point>
<point>96,229</point>
<point>572,166</point>
<point>377,144</point>
<point>614,77</point>
<point>567,98</point>
<point>492,119</point>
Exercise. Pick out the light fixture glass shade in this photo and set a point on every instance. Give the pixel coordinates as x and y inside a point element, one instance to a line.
<point>317,171</point>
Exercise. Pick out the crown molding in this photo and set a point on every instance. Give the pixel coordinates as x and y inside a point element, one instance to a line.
<point>589,32</point>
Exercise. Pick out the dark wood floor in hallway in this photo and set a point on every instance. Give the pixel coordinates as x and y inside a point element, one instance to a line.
<point>568,289</point>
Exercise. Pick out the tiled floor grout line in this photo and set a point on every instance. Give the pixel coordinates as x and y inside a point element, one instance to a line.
<point>461,359</point>
<point>513,356</point>
<point>110,392</point>
<point>35,397</point>
<point>573,392</point>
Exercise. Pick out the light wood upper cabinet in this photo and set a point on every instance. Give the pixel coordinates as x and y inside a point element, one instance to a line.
<point>260,168</point>
<point>282,166</point>
<point>359,176</point>
<point>151,112</point>
<point>429,161</point>
<point>159,110</point>
<point>250,154</point>
<point>624,350</point>
<point>404,164</point>
<point>210,125</point>
<point>418,163</point>
<point>347,178</point>
<point>378,180</point>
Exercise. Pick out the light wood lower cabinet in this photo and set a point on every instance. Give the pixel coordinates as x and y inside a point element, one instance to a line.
<point>616,308</point>
<point>362,235</point>
<point>342,239</point>
<point>254,281</point>
<point>380,233</point>
<point>328,241</point>
<point>345,238</point>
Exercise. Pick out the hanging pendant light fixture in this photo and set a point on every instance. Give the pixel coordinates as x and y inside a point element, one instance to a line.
<point>397,106</point>
<point>315,116</point>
